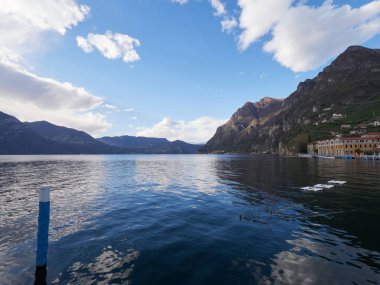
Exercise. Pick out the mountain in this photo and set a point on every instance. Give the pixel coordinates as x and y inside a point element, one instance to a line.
<point>78,141</point>
<point>343,98</point>
<point>242,122</point>
<point>133,142</point>
<point>18,138</point>
<point>45,138</point>
<point>61,134</point>
<point>150,145</point>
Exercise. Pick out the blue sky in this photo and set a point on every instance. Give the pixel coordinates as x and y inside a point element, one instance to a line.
<point>185,77</point>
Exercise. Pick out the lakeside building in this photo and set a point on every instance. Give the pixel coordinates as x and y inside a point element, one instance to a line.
<point>369,144</point>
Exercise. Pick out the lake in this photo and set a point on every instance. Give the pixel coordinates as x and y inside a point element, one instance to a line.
<point>192,219</point>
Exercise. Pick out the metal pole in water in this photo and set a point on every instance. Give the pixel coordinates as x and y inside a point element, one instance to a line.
<point>42,236</point>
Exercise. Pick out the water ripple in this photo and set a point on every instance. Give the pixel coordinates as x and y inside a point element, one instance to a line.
<point>195,219</point>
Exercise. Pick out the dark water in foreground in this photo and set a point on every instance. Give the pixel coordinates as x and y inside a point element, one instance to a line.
<point>192,219</point>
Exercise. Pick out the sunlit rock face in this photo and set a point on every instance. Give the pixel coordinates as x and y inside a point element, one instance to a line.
<point>242,123</point>
<point>349,85</point>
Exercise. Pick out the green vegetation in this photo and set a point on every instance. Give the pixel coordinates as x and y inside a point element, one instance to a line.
<point>357,115</point>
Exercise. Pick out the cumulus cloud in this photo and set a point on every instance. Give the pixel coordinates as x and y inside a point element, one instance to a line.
<point>199,130</point>
<point>303,44</point>
<point>111,45</point>
<point>24,27</point>
<point>258,17</point>
<point>305,37</point>
<point>22,23</point>
<point>44,92</point>
<point>30,97</point>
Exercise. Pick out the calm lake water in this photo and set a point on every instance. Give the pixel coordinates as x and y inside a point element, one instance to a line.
<point>192,219</point>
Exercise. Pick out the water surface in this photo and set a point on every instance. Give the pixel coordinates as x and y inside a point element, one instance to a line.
<point>192,219</point>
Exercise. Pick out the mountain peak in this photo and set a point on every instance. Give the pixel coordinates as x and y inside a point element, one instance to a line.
<point>355,58</point>
<point>264,102</point>
<point>356,49</point>
<point>4,116</point>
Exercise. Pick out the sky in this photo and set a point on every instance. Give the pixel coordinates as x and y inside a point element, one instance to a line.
<point>166,68</point>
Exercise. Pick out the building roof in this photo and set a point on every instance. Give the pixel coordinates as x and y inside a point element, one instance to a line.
<point>366,137</point>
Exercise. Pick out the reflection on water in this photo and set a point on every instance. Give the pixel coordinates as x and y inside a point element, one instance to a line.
<point>111,266</point>
<point>317,257</point>
<point>175,176</point>
<point>192,219</point>
<point>77,185</point>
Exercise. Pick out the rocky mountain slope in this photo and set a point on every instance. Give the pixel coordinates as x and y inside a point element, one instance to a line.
<point>242,123</point>
<point>345,94</point>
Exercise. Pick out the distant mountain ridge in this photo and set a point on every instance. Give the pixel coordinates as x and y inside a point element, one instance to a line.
<point>59,133</point>
<point>151,145</point>
<point>346,93</point>
<point>45,138</point>
<point>17,138</point>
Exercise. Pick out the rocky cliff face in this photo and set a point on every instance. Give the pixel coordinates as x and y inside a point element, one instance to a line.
<point>243,122</point>
<point>349,86</point>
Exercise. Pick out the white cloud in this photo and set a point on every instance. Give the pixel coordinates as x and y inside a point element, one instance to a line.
<point>31,98</point>
<point>45,14</point>
<point>133,118</point>
<point>305,37</point>
<point>258,17</point>
<point>129,110</point>
<point>199,130</point>
<point>23,23</point>
<point>228,24</point>
<point>25,27</point>
<point>112,108</point>
<point>302,44</point>
<point>9,57</point>
<point>219,8</point>
<point>111,45</point>
<point>44,92</point>
<point>182,2</point>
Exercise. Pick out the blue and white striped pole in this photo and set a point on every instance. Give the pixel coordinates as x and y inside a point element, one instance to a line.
<point>42,236</point>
